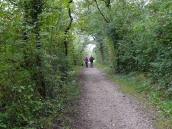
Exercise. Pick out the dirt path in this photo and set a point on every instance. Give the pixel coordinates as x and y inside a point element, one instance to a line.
<point>103,106</point>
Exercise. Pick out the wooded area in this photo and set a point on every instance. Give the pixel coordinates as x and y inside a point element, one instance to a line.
<point>37,60</point>
<point>41,44</point>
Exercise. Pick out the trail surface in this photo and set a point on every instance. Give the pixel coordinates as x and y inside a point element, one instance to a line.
<point>103,106</point>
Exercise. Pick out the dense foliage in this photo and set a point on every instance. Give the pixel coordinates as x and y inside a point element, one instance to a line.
<point>40,47</point>
<point>133,36</point>
<point>37,60</point>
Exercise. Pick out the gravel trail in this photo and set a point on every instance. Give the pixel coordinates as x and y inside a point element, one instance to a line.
<point>103,106</point>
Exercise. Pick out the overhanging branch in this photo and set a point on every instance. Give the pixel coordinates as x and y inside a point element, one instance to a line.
<point>68,27</point>
<point>106,20</point>
<point>70,22</point>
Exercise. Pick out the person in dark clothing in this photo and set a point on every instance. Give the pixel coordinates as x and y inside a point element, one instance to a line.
<point>91,59</point>
<point>86,61</point>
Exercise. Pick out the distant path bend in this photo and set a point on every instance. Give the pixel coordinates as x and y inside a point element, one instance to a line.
<point>103,106</point>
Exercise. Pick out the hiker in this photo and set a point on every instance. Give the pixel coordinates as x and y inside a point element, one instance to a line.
<point>91,59</point>
<point>86,62</point>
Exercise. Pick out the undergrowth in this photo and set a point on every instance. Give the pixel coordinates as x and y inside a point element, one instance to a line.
<point>49,113</point>
<point>66,119</point>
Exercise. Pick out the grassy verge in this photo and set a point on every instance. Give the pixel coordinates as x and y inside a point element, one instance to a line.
<point>64,118</point>
<point>73,95</point>
<point>139,86</point>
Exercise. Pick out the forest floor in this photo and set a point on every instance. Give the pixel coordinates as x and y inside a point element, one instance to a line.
<point>104,106</point>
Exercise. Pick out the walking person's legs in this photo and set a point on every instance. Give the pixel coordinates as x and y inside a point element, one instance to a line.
<point>86,64</point>
<point>91,64</point>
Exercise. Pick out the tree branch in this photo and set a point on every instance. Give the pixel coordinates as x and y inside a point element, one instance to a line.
<point>106,20</point>
<point>71,20</point>
<point>108,3</point>
<point>68,28</point>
